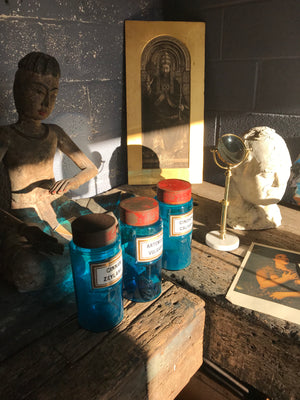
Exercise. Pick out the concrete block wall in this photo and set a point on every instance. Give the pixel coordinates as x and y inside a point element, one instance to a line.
<point>252,68</point>
<point>251,79</point>
<point>87,38</point>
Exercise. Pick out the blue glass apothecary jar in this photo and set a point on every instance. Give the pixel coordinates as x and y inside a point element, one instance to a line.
<point>176,210</point>
<point>97,267</point>
<point>142,240</point>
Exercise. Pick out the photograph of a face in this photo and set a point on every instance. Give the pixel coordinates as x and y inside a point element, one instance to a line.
<point>268,281</point>
<point>165,100</point>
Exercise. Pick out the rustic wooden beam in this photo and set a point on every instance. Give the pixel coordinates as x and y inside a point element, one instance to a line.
<point>258,349</point>
<point>154,352</point>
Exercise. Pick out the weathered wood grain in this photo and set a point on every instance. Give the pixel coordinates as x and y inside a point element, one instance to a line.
<point>158,346</point>
<point>25,317</point>
<point>264,358</point>
<point>156,349</point>
<point>256,348</point>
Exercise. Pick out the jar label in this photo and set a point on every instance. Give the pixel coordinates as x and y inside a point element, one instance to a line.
<point>181,224</point>
<point>149,248</point>
<point>107,273</point>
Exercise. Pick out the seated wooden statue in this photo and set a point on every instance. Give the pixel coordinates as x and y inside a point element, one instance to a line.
<point>34,207</point>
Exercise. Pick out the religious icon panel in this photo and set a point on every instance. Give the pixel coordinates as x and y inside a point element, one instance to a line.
<point>165,104</point>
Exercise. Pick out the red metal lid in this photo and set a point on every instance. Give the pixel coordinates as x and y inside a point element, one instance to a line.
<point>94,230</point>
<point>139,211</point>
<point>174,191</point>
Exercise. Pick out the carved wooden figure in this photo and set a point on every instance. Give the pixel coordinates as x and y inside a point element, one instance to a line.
<point>27,150</point>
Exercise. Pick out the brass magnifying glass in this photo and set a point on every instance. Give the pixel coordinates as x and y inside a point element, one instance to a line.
<point>231,151</point>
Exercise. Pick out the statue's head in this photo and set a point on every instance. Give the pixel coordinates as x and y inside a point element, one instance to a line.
<point>165,63</point>
<point>263,176</point>
<point>36,85</point>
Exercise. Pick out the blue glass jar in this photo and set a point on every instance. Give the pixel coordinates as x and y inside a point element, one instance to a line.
<point>176,210</point>
<point>142,240</point>
<point>97,267</point>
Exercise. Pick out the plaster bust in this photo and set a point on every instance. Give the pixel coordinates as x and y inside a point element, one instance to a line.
<point>31,194</point>
<point>259,183</point>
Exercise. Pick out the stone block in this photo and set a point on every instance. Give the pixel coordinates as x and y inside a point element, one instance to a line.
<point>72,98</point>
<point>278,87</point>
<point>17,38</point>
<point>229,86</point>
<point>86,52</point>
<point>107,109</point>
<point>262,29</point>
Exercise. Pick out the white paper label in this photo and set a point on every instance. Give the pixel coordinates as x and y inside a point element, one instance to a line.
<point>107,273</point>
<point>149,248</point>
<point>181,224</point>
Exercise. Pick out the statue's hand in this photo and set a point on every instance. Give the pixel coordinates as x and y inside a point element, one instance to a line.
<point>63,186</point>
<point>40,240</point>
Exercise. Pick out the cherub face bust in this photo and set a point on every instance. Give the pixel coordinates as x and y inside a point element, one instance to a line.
<point>36,86</point>
<point>260,182</point>
<point>264,175</point>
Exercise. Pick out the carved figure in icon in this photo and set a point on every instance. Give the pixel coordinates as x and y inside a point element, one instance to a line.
<point>165,108</point>
<point>35,214</point>
<point>259,183</point>
<point>279,281</point>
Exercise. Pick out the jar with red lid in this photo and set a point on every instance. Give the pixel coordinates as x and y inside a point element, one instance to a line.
<point>176,210</point>
<point>142,241</point>
<point>97,266</point>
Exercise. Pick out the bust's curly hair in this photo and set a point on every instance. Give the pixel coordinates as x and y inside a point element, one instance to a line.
<point>40,63</point>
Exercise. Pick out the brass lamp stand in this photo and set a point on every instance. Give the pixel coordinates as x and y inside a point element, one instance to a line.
<point>231,151</point>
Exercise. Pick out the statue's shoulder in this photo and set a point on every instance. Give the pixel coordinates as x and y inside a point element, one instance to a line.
<point>61,135</point>
<point>58,130</point>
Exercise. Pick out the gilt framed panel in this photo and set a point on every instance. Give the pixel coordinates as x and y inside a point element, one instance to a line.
<point>164,100</point>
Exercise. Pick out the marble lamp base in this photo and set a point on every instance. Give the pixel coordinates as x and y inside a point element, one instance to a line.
<point>230,242</point>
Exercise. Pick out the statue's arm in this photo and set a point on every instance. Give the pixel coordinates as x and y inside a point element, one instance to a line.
<point>87,167</point>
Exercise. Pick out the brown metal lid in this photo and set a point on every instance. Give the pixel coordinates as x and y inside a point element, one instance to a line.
<point>139,211</point>
<point>94,230</point>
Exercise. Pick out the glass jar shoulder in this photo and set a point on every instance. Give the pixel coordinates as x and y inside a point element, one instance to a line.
<point>99,253</point>
<point>175,209</point>
<point>130,231</point>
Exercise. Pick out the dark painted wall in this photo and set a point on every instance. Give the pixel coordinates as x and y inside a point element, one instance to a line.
<point>87,38</point>
<point>252,69</point>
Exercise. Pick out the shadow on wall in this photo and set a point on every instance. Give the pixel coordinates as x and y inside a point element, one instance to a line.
<point>211,172</point>
<point>118,166</point>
